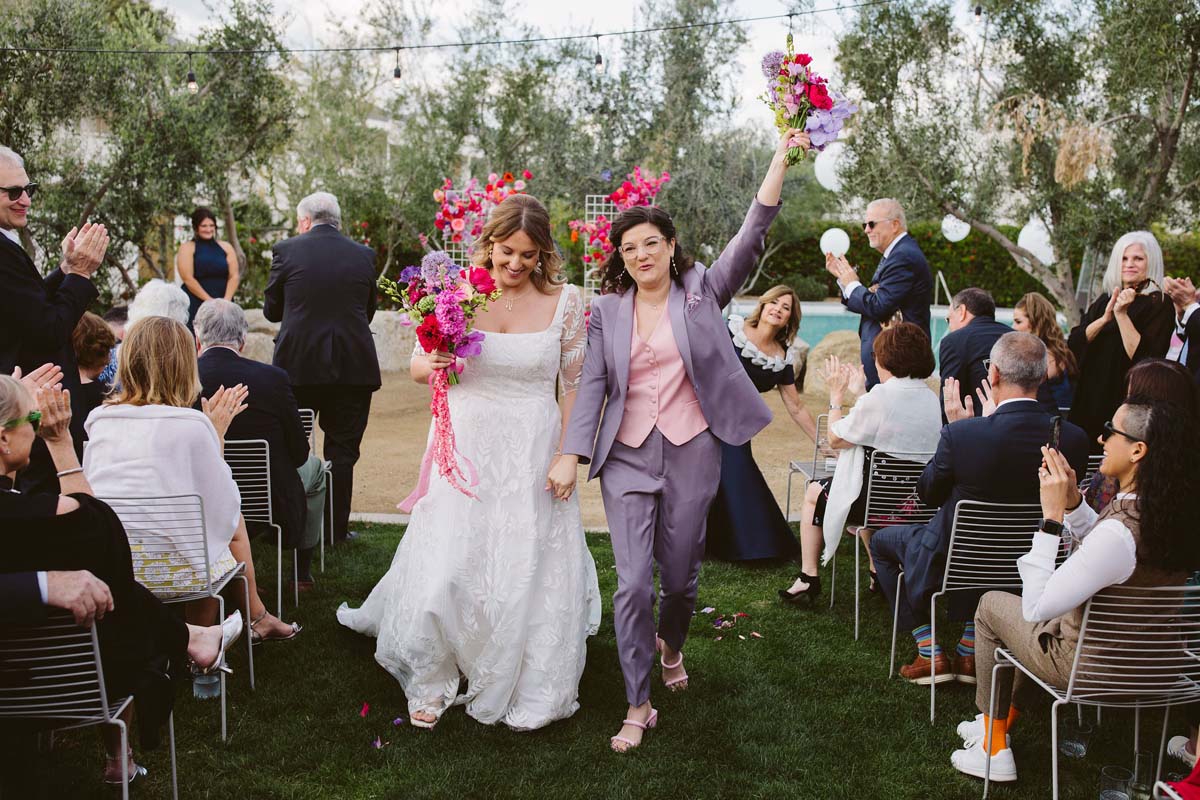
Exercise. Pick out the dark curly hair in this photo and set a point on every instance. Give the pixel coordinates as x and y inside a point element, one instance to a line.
<point>615,278</point>
<point>200,214</point>
<point>1167,482</point>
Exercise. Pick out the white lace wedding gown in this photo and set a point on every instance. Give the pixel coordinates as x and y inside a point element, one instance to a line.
<point>503,587</point>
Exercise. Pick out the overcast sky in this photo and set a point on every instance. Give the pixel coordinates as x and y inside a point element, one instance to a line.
<point>308,22</point>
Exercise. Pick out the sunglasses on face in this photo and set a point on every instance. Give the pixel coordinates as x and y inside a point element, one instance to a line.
<point>15,192</point>
<point>1109,430</point>
<point>870,224</point>
<point>34,418</point>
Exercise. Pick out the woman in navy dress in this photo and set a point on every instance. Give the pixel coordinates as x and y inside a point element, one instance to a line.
<point>208,266</point>
<point>745,522</point>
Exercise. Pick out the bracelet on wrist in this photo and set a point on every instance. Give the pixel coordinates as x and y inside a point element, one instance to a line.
<point>67,472</point>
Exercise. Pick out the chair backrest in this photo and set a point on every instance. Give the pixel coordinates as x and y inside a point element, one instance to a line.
<point>308,419</point>
<point>52,671</point>
<point>892,490</point>
<point>822,444</point>
<point>165,533</point>
<point>1093,466</point>
<point>986,540</point>
<point>250,461</point>
<point>1138,646</point>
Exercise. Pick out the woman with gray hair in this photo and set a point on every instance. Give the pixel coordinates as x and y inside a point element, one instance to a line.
<point>157,298</point>
<point>1131,321</point>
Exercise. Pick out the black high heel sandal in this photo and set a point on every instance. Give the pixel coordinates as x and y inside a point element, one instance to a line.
<point>873,586</point>
<point>813,590</point>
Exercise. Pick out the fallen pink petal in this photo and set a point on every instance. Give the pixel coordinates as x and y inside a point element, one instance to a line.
<point>366,707</point>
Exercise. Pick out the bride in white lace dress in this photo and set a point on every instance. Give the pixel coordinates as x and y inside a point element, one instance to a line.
<point>500,590</point>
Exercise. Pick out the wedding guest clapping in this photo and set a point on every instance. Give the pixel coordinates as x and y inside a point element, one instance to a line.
<point>745,521</point>
<point>1186,300</point>
<point>1035,314</point>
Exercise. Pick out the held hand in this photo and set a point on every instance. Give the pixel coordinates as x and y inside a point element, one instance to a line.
<point>82,593</point>
<point>836,377</point>
<point>564,472</point>
<point>954,404</point>
<point>1124,300</point>
<point>1108,309</point>
<point>55,405</point>
<point>439,359</point>
<point>1181,291</point>
<point>223,406</point>
<point>47,376</point>
<point>83,251</point>
<point>987,403</point>
<point>858,381</point>
<point>1059,487</point>
<point>792,138</point>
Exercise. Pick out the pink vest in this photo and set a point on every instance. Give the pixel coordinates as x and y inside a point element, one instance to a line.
<point>660,393</point>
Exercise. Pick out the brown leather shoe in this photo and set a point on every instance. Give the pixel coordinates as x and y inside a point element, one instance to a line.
<point>921,670</point>
<point>964,669</point>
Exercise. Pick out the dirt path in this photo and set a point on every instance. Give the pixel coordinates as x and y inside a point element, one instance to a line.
<point>395,441</point>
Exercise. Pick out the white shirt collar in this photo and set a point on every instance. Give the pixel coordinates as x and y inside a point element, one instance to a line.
<point>888,251</point>
<point>12,234</point>
<point>1016,400</point>
<point>215,346</point>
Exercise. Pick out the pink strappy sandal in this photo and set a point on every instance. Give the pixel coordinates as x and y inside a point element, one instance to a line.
<point>678,684</point>
<point>650,722</point>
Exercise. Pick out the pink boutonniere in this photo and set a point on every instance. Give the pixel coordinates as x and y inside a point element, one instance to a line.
<point>691,301</point>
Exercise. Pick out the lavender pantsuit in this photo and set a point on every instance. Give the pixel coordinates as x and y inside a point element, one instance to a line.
<point>656,496</point>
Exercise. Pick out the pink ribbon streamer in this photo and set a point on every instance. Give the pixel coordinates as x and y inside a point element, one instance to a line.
<point>442,450</point>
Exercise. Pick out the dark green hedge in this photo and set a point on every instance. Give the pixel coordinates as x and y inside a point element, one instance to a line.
<point>975,261</point>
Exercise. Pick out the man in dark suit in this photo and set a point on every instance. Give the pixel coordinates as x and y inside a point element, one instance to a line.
<point>322,288</point>
<point>297,478</point>
<point>1187,322</point>
<point>995,459</point>
<point>902,282</point>
<point>37,316</point>
<point>973,331</point>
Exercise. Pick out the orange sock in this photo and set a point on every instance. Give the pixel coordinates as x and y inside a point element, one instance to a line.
<point>995,740</point>
<point>1013,713</point>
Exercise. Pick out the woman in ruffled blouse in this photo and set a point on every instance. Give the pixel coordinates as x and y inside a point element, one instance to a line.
<point>745,521</point>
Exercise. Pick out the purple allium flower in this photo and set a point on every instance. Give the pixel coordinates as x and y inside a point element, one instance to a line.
<point>436,266</point>
<point>772,62</point>
<point>408,274</point>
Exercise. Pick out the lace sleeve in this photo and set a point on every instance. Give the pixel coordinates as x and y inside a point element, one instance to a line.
<point>574,340</point>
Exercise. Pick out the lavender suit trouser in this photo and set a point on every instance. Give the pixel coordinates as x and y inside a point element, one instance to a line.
<point>656,498</point>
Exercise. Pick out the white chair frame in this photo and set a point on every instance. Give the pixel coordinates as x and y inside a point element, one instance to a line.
<point>308,418</point>
<point>813,470</point>
<point>1162,791</point>
<point>891,483</point>
<point>145,520</point>
<point>1161,670</point>
<point>1093,466</point>
<point>986,539</point>
<point>62,683</point>
<point>250,462</point>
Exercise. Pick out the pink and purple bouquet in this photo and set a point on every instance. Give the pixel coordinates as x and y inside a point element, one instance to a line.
<point>801,98</point>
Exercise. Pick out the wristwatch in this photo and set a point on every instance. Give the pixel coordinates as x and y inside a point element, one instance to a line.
<point>1051,527</point>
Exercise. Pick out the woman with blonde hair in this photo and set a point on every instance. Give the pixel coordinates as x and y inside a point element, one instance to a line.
<point>1131,321</point>
<point>148,441</point>
<point>1036,315</point>
<point>744,521</point>
<point>498,588</point>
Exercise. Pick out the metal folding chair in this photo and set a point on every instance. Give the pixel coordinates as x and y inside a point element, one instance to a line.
<point>891,500</point>
<point>51,673</point>
<point>1093,466</point>
<point>250,462</point>
<point>986,539</point>
<point>819,467</point>
<point>1164,792</point>
<point>309,418</point>
<point>1134,652</point>
<point>169,531</point>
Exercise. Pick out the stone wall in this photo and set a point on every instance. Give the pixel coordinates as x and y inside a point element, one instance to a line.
<point>393,341</point>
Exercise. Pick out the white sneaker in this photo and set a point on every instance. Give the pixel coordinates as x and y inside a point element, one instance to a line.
<point>1177,746</point>
<point>973,761</point>
<point>971,731</point>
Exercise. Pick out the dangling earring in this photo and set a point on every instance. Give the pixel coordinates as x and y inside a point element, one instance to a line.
<point>674,272</point>
<point>538,268</point>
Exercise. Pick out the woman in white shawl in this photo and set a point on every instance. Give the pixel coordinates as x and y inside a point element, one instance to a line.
<point>148,441</point>
<point>900,416</point>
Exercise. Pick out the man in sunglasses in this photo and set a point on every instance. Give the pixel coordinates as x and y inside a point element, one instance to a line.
<point>902,281</point>
<point>38,315</point>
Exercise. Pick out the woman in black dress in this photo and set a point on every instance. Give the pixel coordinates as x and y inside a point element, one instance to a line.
<point>745,522</point>
<point>141,641</point>
<point>1131,321</point>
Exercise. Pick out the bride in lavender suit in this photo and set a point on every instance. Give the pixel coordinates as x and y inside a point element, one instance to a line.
<point>661,389</point>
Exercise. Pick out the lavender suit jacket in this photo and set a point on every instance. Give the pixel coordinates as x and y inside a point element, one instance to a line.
<point>733,407</point>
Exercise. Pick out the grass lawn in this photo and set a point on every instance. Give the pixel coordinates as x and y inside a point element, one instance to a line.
<point>804,712</point>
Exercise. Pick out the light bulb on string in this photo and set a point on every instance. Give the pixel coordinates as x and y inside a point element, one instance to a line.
<point>599,58</point>
<point>978,13</point>
<point>192,86</point>
<point>396,72</point>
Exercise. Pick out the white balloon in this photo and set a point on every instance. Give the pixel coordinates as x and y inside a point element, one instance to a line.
<point>826,167</point>
<point>835,241</point>
<point>954,229</point>
<point>1035,238</point>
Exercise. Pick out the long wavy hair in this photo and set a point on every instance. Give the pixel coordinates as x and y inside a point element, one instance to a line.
<point>1167,481</point>
<point>522,212</point>
<point>788,332</point>
<point>616,278</point>
<point>1043,323</point>
<point>156,365</point>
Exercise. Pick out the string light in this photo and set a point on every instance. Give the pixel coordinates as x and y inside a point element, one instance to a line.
<point>978,13</point>
<point>599,58</point>
<point>192,86</point>
<point>396,71</point>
